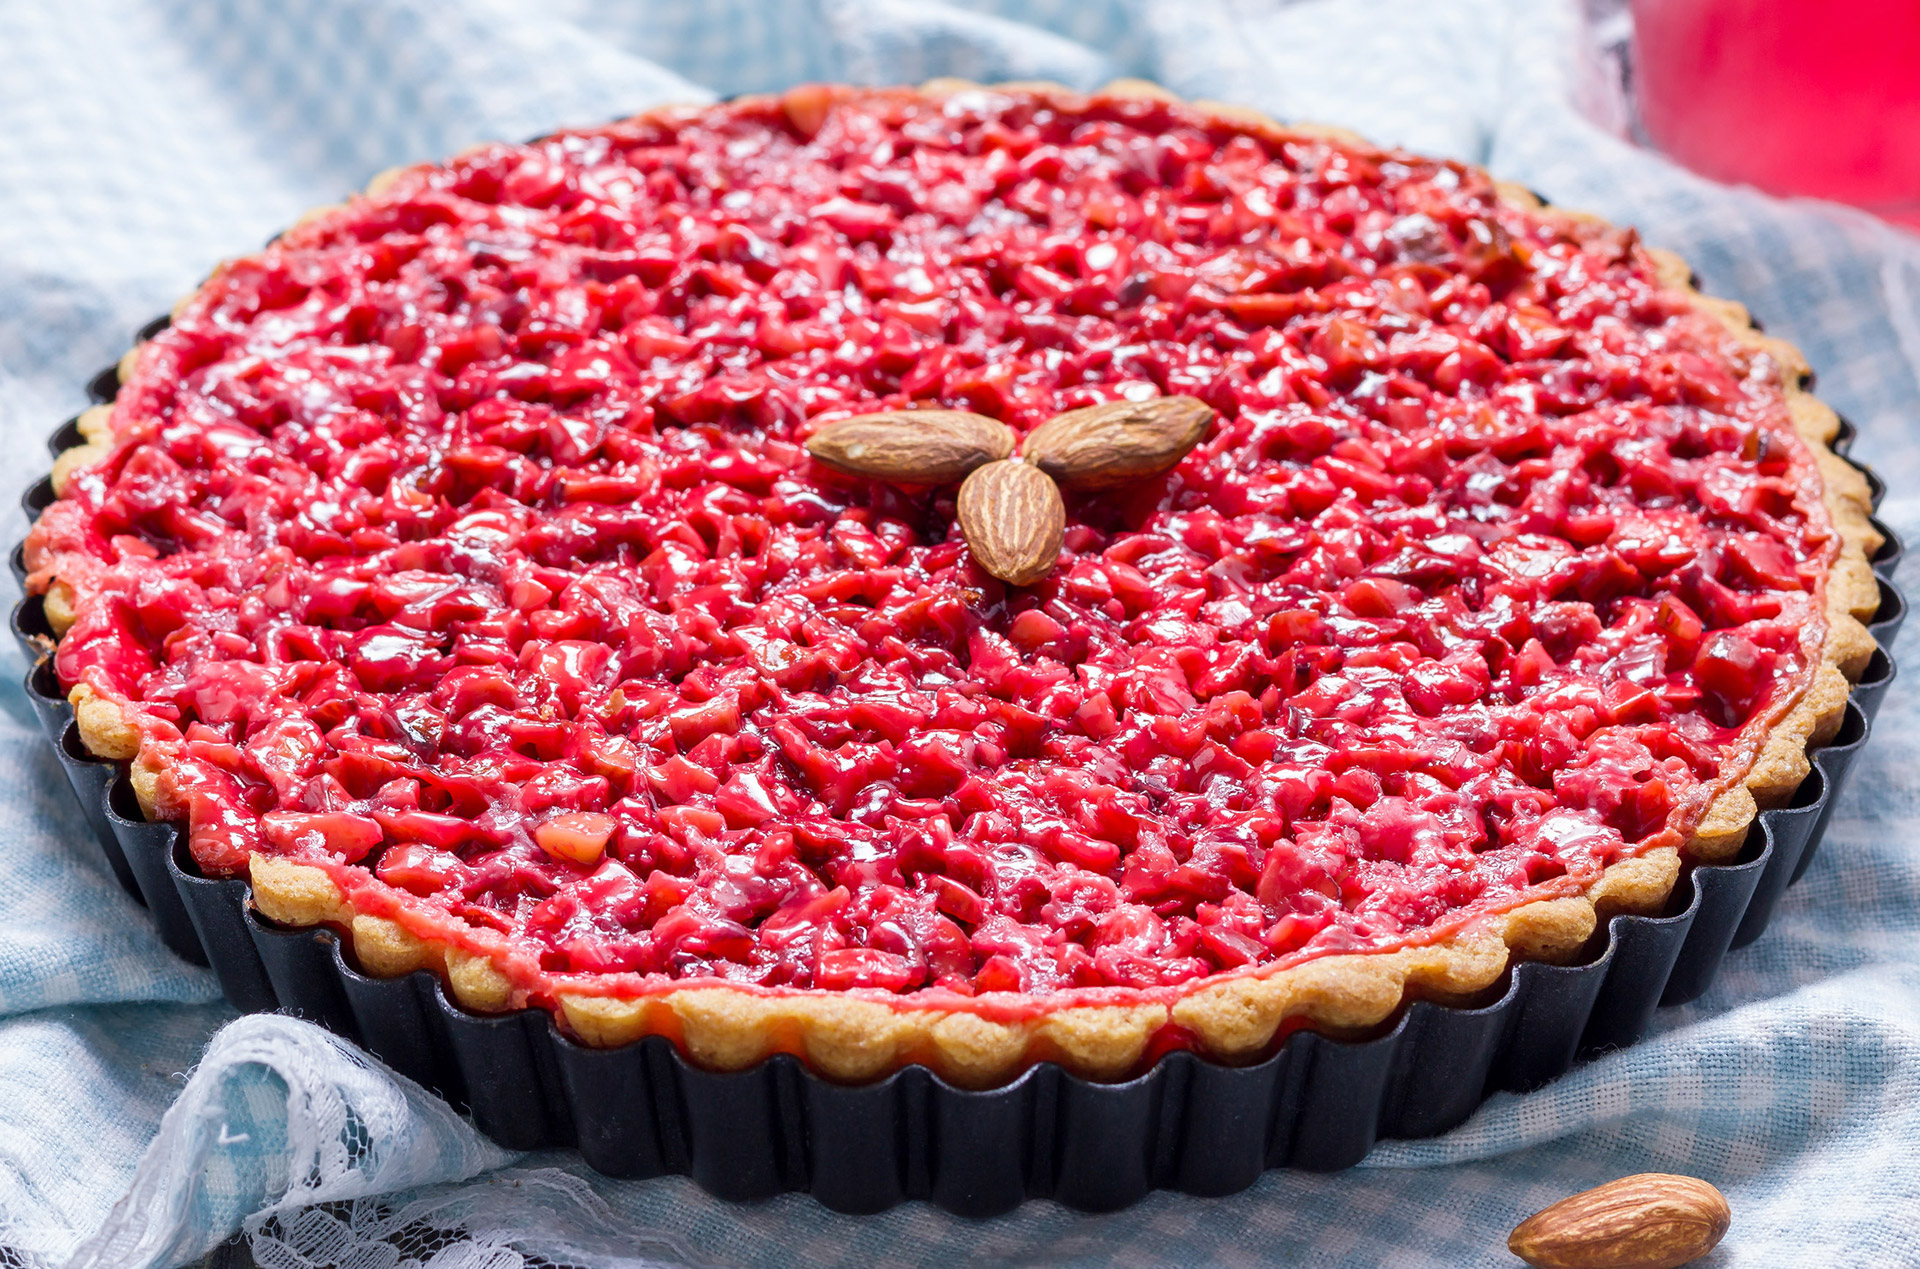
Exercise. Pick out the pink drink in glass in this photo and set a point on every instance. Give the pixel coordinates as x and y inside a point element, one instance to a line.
<point>1812,97</point>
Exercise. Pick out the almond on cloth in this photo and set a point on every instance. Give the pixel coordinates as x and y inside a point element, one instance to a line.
<point>1654,1220</point>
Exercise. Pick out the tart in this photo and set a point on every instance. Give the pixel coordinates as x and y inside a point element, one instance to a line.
<point>457,570</point>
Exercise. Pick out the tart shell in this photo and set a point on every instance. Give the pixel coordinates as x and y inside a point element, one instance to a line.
<point>1234,1019</point>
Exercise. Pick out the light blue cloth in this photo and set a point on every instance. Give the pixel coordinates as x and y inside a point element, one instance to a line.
<point>142,140</point>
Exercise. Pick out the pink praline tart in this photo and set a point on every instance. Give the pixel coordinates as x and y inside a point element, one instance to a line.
<point>454,569</point>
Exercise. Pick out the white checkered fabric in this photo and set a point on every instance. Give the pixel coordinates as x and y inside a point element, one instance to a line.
<point>142,140</point>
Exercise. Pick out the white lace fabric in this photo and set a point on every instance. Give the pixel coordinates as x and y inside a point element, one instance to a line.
<point>301,1139</point>
<point>279,1115</point>
<point>519,1218</point>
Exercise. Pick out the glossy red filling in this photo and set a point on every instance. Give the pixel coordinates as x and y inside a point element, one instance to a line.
<point>462,542</point>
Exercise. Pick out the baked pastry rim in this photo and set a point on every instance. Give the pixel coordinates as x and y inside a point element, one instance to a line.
<point>1233,1016</point>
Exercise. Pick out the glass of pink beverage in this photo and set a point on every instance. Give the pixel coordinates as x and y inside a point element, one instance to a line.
<point>1815,97</point>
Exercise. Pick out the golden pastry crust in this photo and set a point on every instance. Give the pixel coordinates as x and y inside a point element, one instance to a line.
<point>1236,1017</point>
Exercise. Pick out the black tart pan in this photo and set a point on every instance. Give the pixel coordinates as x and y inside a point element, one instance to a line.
<point>1187,1124</point>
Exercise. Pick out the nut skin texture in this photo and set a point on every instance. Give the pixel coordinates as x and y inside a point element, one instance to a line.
<point>1653,1220</point>
<point>1119,443</point>
<point>1014,519</point>
<point>912,447</point>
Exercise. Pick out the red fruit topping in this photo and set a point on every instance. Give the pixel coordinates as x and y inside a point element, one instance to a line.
<point>464,541</point>
<point>348,837</point>
<point>1734,673</point>
<point>577,837</point>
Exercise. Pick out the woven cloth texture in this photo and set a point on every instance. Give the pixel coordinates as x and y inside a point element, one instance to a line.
<point>143,1123</point>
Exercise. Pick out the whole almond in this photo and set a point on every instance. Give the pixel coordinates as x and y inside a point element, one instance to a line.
<point>1117,443</point>
<point>912,447</point>
<point>1013,519</point>
<point>1650,1221</point>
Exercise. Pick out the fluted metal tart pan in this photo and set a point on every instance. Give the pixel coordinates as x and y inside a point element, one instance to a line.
<point>1187,1124</point>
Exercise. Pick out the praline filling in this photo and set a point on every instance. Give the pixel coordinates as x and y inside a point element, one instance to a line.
<point>462,543</point>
